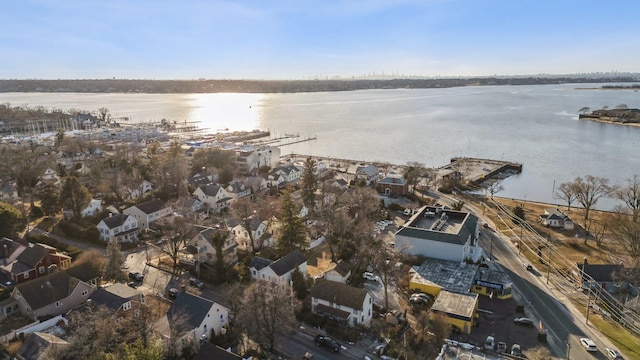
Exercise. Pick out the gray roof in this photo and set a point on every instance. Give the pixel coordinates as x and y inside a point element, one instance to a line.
<point>288,263</point>
<point>259,263</point>
<point>339,293</point>
<point>114,296</point>
<point>393,179</point>
<point>467,228</point>
<point>210,189</point>
<point>151,206</point>
<point>115,220</point>
<point>10,245</point>
<point>342,268</point>
<point>190,308</point>
<point>48,289</point>
<point>32,255</point>
<point>37,345</point>
<point>210,351</point>
<point>600,272</point>
<point>85,271</point>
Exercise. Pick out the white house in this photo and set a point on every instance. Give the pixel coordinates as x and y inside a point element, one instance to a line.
<point>555,218</point>
<point>122,227</point>
<point>278,271</point>
<point>202,318</point>
<point>441,234</point>
<point>249,159</point>
<point>342,302</point>
<point>288,173</point>
<point>340,273</point>
<point>206,251</point>
<point>94,207</point>
<point>148,212</point>
<point>256,183</point>
<point>238,190</point>
<point>136,192</point>
<point>258,228</point>
<point>368,173</point>
<point>190,208</point>
<point>213,196</point>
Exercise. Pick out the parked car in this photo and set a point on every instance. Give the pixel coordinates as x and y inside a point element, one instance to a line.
<point>370,276</point>
<point>516,350</point>
<point>132,284</point>
<point>502,347</point>
<point>614,354</point>
<point>327,342</point>
<point>588,344</point>
<point>308,356</point>
<point>490,343</point>
<point>420,298</point>
<point>136,276</point>
<point>523,321</point>
<point>196,282</point>
<point>528,266</point>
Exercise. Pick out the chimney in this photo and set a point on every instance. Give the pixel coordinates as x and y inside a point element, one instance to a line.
<point>5,253</point>
<point>585,261</point>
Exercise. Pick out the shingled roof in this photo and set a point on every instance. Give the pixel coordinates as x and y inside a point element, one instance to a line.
<point>287,263</point>
<point>190,308</point>
<point>48,289</point>
<point>339,293</point>
<point>114,296</point>
<point>151,206</point>
<point>115,220</point>
<point>32,255</point>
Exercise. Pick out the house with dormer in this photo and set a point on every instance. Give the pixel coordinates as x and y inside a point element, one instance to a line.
<point>94,207</point>
<point>214,197</point>
<point>50,295</point>
<point>119,298</point>
<point>368,173</point>
<point>238,190</point>
<point>137,191</point>
<point>123,227</point>
<point>8,191</point>
<point>205,250</point>
<point>279,271</point>
<point>49,176</point>
<point>284,174</point>
<point>259,232</point>
<point>256,183</point>
<point>190,208</point>
<point>199,319</point>
<point>148,212</point>
<point>202,178</point>
<point>347,304</point>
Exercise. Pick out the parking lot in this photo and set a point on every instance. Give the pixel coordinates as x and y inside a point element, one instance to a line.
<point>496,319</point>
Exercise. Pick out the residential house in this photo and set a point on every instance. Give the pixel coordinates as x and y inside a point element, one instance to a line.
<point>69,158</point>
<point>190,208</point>
<point>602,275</point>
<point>94,207</point>
<point>87,272</point>
<point>393,184</point>
<point>8,191</point>
<point>148,212</point>
<point>41,346</point>
<point>119,298</point>
<point>367,173</point>
<point>31,261</point>
<point>197,317</point>
<point>259,232</point>
<point>278,271</point>
<point>284,174</point>
<point>213,197</point>
<point>137,191</point>
<point>256,183</point>
<point>206,250</point>
<point>342,302</point>
<point>238,190</point>
<point>50,295</point>
<point>340,273</point>
<point>49,176</point>
<point>555,218</point>
<point>441,234</point>
<point>122,227</point>
<point>202,178</point>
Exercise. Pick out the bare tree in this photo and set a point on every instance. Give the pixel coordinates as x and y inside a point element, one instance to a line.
<point>178,232</point>
<point>625,230</point>
<point>383,264</point>
<point>494,188</point>
<point>630,195</point>
<point>245,210</point>
<point>440,326</point>
<point>584,110</point>
<point>588,191</point>
<point>539,353</point>
<point>567,193</point>
<point>268,312</point>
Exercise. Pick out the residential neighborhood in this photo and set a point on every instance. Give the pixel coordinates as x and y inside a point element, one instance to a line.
<point>191,241</point>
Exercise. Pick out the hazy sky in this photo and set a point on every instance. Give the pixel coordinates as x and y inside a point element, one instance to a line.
<point>299,39</point>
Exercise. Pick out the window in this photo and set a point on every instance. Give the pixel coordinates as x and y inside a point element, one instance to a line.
<point>41,269</point>
<point>126,306</point>
<point>26,275</point>
<point>85,292</point>
<point>58,303</point>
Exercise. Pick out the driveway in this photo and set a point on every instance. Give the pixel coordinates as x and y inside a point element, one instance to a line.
<point>65,240</point>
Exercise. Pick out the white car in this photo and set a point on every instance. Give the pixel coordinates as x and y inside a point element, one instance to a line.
<point>588,344</point>
<point>370,276</point>
<point>614,354</point>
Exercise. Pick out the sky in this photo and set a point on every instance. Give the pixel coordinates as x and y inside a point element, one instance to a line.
<point>300,39</point>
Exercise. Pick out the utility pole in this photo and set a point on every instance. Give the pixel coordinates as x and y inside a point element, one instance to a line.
<point>548,262</point>
<point>568,349</point>
<point>520,245</point>
<point>588,303</point>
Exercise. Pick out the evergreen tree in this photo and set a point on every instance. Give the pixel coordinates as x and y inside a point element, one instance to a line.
<point>299,284</point>
<point>115,261</point>
<point>293,231</point>
<point>49,199</point>
<point>309,184</point>
<point>10,219</point>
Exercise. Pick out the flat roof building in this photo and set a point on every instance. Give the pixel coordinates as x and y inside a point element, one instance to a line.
<point>460,309</point>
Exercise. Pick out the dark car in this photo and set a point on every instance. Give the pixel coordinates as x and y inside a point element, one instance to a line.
<point>132,284</point>
<point>523,321</point>
<point>136,276</point>
<point>173,293</point>
<point>327,342</point>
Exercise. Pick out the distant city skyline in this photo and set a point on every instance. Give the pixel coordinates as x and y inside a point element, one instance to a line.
<point>288,39</point>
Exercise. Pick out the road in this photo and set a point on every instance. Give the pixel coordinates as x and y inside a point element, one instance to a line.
<point>564,326</point>
<point>65,240</point>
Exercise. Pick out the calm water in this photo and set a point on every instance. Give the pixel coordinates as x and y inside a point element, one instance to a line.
<point>535,125</point>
